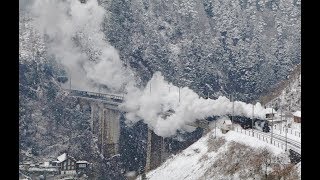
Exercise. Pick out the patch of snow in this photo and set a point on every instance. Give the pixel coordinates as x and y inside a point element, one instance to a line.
<point>82,162</point>
<point>297,113</point>
<point>251,141</point>
<point>46,164</point>
<point>270,110</point>
<point>130,174</point>
<point>227,122</point>
<point>62,157</point>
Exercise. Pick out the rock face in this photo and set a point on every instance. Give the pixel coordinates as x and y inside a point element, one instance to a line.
<point>243,47</point>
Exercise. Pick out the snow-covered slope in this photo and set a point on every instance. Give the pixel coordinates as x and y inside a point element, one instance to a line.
<point>290,97</point>
<point>228,156</point>
<point>211,46</point>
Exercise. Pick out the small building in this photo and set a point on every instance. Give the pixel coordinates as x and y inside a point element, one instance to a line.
<point>82,164</point>
<point>45,164</point>
<point>226,126</point>
<point>82,167</point>
<point>54,163</point>
<point>297,117</point>
<point>286,115</point>
<point>25,166</point>
<point>67,164</point>
<point>270,113</point>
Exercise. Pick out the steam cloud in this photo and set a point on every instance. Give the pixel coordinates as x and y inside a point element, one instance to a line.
<point>74,36</point>
<point>151,106</point>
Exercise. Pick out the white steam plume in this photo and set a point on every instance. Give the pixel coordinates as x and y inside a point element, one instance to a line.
<point>74,36</point>
<point>151,107</point>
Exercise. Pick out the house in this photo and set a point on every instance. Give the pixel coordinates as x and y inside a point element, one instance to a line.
<point>69,165</point>
<point>82,167</point>
<point>270,112</point>
<point>25,166</point>
<point>45,164</point>
<point>82,164</point>
<point>54,163</point>
<point>297,117</point>
<point>66,163</point>
<point>226,126</point>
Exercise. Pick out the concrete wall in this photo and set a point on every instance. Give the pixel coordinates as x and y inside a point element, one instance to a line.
<point>155,151</point>
<point>105,125</point>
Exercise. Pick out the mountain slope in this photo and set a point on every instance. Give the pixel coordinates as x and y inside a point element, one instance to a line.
<point>50,122</point>
<point>216,47</point>
<point>229,156</point>
<point>289,96</point>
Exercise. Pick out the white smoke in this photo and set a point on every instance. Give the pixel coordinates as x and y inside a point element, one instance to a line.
<point>74,37</point>
<point>151,106</point>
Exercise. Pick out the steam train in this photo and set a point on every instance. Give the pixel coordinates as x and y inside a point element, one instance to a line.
<point>246,123</point>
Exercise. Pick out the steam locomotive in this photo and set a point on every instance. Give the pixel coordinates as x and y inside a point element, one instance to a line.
<point>246,123</point>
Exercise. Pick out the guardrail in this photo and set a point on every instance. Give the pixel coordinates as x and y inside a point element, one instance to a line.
<point>267,139</point>
<point>290,131</point>
<point>95,94</point>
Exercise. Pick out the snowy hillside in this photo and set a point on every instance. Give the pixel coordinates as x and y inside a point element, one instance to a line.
<point>211,46</point>
<point>290,97</point>
<point>229,156</point>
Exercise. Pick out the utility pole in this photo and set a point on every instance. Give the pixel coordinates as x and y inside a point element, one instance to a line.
<point>252,119</point>
<point>232,111</point>
<point>280,118</point>
<point>271,124</point>
<point>179,83</point>
<point>70,82</point>
<point>179,93</point>
<point>208,94</point>
<point>215,128</point>
<point>150,87</point>
<point>286,127</point>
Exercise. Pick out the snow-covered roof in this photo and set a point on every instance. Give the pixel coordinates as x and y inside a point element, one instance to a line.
<point>275,120</point>
<point>297,113</point>
<point>46,164</point>
<point>83,162</point>
<point>43,169</point>
<point>227,122</point>
<point>270,110</point>
<point>62,157</point>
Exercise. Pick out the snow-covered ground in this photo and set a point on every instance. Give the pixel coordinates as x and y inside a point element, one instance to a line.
<point>291,134</point>
<point>294,132</point>
<point>194,162</point>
